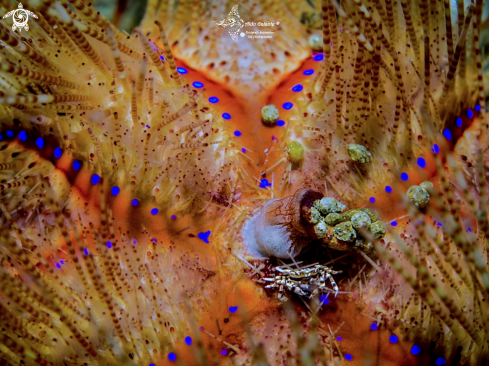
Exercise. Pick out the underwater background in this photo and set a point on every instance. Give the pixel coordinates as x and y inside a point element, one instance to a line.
<point>255,182</point>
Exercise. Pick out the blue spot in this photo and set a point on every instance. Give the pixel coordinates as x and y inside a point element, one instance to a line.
<point>226,116</point>
<point>40,142</point>
<point>115,190</point>
<point>264,183</point>
<point>404,176</point>
<point>348,357</point>
<point>439,224</point>
<point>135,202</point>
<point>172,357</point>
<point>147,126</point>
<point>388,189</point>
<point>188,341</point>
<point>243,150</point>
<point>459,122</point>
<point>393,338</point>
<point>308,72</point>
<point>58,266</point>
<point>394,223</point>
<point>421,163</point>
<point>1,137</point>
<point>233,309</point>
<point>162,58</point>
<point>154,211</point>
<point>287,105</point>
<point>374,326</point>
<point>197,84</point>
<point>318,57</point>
<point>22,136</point>
<point>85,251</point>
<point>280,123</point>
<point>173,217</point>
<point>415,349</point>
<point>339,338</point>
<point>470,114</point>
<point>297,88</point>
<point>447,134</point>
<point>181,70</point>
<point>62,262</point>
<point>440,361</point>
<point>58,152</point>
<point>109,244</point>
<point>477,108</point>
<point>435,149</point>
<point>204,236</point>
<point>95,179</point>
<point>151,364</point>
<point>76,165</point>
<point>10,134</point>
<point>237,133</point>
<point>213,99</point>
<point>323,299</point>
<point>372,199</point>
<point>224,352</point>
<point>154,240</point>
<point>469,229</point>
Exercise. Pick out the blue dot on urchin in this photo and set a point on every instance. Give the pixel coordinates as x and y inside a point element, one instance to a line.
<point>339,338</point>
<point>204,236</point>
<point>440,361</point>
<point>173,217</point>
<point>297,88</point>
<point>459,121</point>
<point>447,133</point>
<point>280,123</point>
<point>233,309</point>
<point>477,108</point>
<point>58,152</point>
<point>323,299</point>
<point>226,116</point>
<point>318,57</point>
<point>172,356</point>
<point>10,134</point>
<point>22,136</point>
<point>372,199</point>
<point>388,189</point>
<point>197,84</point>
<point>76,165</point>
<point>435,149</point>
<point>224,352</point>
<point>188,341</point>
<point>135,202</point>
<point>95,179</point>
<point>393,338</point>
<point>213,100</point>
<point>182,70</point>
<point>85,251</point>
<point>308,72</point>
<point>287,105</point>
<point>470,114</point>
<point>404,176</point>
<point>109,244</point>
<point>421,163</point>
<point>40,142</point>
<point>374,326</point>
<point>348,357</point>
<point>237,133</point>
<point>415,349</point>
<point>154,211</point>
<point>115,190</point>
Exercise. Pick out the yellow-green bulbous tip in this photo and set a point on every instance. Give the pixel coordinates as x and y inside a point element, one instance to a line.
<point>296,152</point>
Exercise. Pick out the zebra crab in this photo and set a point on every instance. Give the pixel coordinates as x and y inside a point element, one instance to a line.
<point>307,281</point>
